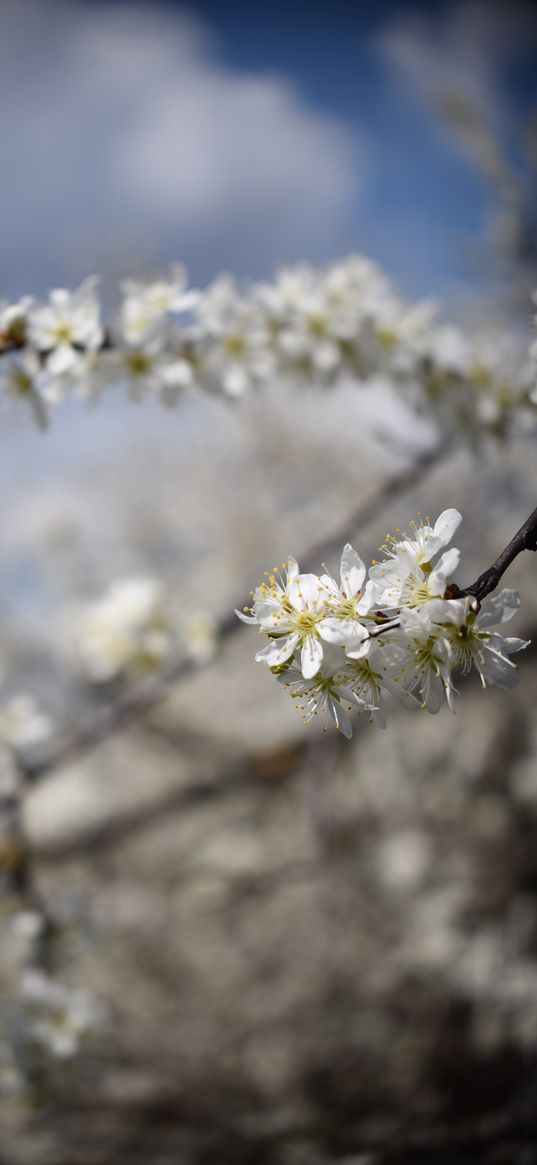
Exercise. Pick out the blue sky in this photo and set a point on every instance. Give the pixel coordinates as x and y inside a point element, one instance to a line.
<point>238,135</point>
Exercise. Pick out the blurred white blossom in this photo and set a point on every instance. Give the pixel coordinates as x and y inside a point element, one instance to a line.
<point>129,630</point>
<point>54,1020</point>
<point>67,325</point>
<point>199,636</point>
<point>312,325</point>
<point>22,723</point>
<point>22,378</point>
<point>145,306</point>
<point>235,349</point>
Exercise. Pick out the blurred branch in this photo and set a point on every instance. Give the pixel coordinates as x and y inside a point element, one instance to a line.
<point>265,769</point>
<point>509,243</point>
<point>143,697</point>
<point>17,876</point>
<point>463,115</point>
<point>9,345</point>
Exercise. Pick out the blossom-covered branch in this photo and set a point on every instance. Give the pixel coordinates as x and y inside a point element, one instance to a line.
<point>402,628</point>
<point>134,616</point>
<point>309,326</point>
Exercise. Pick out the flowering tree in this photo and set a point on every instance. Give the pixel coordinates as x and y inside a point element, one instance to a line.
<point>401,629</point>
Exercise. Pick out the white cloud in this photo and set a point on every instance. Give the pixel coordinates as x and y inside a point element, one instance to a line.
<point>120,123</point>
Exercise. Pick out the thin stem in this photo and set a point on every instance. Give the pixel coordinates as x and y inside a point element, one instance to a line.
<point>524,539</point>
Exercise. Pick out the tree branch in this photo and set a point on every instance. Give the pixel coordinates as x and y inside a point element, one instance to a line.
<point>524,539</point>
<point>8,346</point>
<point>143,697</point>
<point>17,874</point>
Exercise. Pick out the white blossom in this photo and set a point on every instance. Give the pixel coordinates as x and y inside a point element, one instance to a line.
<point>313,325</point>
<point>235,351</point>
<point>349,602</point>
<point>300,611</point>
<point>467,629</point>
<point>426,662</point>
<point>131,629</point>
<point>144,306</point>
<point>23,378</point>
<point>294,620</point>
<point>66,326</point>
<point>407,576</point>
<point>14,320</point>
<point>22,723</point>
<point>198,634</point>
<point>153,370</point>
<point>398,633</point>
<point>54,1019</point>
<point>326,693</point>
<point>371,677</point>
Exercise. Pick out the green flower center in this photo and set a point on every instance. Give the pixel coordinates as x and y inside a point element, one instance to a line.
<point>235,344</point>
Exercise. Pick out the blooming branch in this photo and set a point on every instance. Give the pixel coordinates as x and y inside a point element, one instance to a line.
<point>402,628</point>
<point>139,698</point>
<point>306,326</point>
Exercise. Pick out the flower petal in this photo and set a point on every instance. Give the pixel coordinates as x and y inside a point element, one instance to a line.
<point>433,693</point>
<point>405,698</point>
<point>445,526</point>
<point>444,568</point>
<point>512,644</point>
<point>245,618</point>
<point>277,651</point>
<point>368,598</point>
<point>499,608</point>
<point>359,648</point>
<point>340,717</point>
<point>353,698</point>
<point>305,592</point>
<point>311,656</point>
<point>352,571</point>
<point>342,632</point>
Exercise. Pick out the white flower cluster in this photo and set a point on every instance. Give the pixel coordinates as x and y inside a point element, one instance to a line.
<point>53,1020</point>
<point>134,630</point>
<point>308,325</point>
<point>129,631</point>
<point>22,723</point>
<point>342,645</point>
<point>48,1024</point>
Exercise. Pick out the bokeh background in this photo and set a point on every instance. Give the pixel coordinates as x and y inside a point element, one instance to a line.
<point>309,952</point>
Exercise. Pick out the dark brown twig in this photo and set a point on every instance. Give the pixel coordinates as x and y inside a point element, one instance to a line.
<point>524,539</point>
